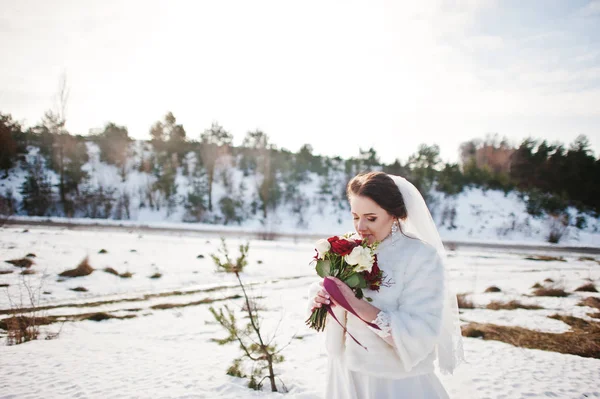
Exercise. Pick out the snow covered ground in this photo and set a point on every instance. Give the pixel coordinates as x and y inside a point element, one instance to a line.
<point>168,353</point>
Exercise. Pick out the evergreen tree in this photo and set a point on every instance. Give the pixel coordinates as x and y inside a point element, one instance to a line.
<point>36,190</point>
<point>114,144</point>
<point>214,143</point>
<point>12,142</point>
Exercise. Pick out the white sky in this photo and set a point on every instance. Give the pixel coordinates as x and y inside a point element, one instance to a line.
<point>336,74</point>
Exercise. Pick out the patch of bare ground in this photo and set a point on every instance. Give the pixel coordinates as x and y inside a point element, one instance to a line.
<point>591,301</point>
<point>546,258</point>
<point>100,316</point>
<point>550,291</point>
<point>163,306</point>
<point>83,269</point>
<point>111,271</point>
<point>583,339</point>
<point>23,262</point>
<point>512,305</point>
<point>464,302</point>
<point>587,288</point>
<point>21,323</point>
<point>144,297</point>
<point>493,288</point>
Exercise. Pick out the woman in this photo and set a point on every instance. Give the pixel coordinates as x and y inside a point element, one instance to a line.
<point>416,314</point>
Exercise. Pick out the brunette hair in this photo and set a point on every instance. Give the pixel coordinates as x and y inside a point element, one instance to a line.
<point>382,189</point>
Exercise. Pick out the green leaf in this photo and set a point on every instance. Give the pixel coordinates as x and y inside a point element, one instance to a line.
<point>323,268</point>
<point>363,282</point>
<point>353,281</point>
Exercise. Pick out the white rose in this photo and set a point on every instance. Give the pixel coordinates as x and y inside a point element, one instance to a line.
<point>322,247</point>
<point>362,258</point>
<point>354,257</point>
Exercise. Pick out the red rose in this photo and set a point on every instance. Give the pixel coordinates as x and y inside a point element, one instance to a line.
<point>374,277</point>
<point>341,246</point>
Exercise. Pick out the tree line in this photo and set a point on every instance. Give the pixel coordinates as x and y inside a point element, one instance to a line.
<point>549,176</point>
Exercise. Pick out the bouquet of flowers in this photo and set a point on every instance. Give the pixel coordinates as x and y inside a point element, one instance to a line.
<point>351,260</point>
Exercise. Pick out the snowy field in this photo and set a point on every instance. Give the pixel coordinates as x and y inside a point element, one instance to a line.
<point>168,353</point>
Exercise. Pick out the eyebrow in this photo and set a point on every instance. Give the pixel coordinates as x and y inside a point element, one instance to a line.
<point>367,214</point>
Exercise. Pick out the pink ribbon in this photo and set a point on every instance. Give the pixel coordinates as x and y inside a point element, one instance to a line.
<point>335,293</point>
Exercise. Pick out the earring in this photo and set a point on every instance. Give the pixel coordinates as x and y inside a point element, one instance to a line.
<point>395,228</point>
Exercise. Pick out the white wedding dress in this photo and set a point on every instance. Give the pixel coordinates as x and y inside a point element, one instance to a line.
<point>399,362</point>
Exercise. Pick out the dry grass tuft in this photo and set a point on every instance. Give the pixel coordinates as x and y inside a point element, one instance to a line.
<point>99,316</point>
<point>583,340</point>
<point>22,328</point>
<point>30,255</point>
<point>587,288</point>
<point>103,251</point>
<point>464,302</point>
<point>591,301</point>
<point>548,280</point>
<point>126,275</point>
<point>537,285</point>
<point>555,292</point>
<point>163,306</point>
<point>546,258</point>
<point>111,271</point>
<point>79,289</point>
<point>584,258</point>
<point>6,271</point>
<point>512,305</point>
<point>493,288</point>
<point>26,272</point>
<point>594,315</point>
<point>83,269</point>
<point>156,275</point>
<point>23,262</point>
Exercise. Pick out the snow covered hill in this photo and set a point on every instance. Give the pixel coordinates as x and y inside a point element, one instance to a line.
<point>316,206</point>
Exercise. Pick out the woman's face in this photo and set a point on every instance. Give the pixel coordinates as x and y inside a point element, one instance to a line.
<point>370,220</point>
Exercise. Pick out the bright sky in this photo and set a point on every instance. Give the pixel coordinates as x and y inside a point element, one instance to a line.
<point>336,74</point>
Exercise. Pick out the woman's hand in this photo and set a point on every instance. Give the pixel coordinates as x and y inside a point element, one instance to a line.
<point>345,290</point>
<point>321,298</point>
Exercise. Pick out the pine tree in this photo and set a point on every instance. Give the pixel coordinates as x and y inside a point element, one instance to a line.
<point>36,190</point>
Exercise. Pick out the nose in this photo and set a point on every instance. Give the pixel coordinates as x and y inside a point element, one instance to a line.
<point>360,226</point>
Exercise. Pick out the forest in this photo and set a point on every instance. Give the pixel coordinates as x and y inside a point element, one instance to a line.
<point>549,176</point>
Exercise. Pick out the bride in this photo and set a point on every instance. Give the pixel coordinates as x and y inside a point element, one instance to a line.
<point>417,315</point>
